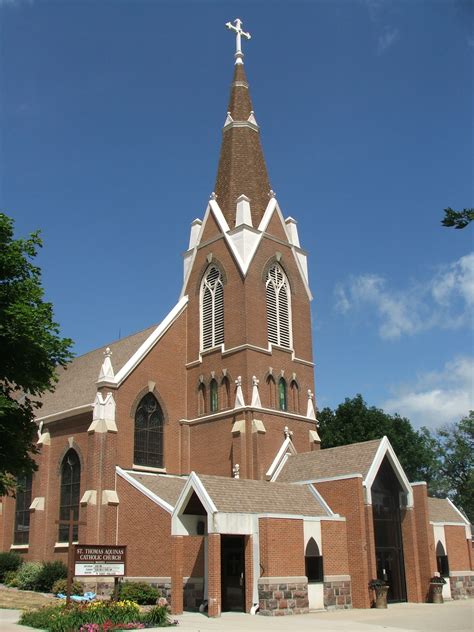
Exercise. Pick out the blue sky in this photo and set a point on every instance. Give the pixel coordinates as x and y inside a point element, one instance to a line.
<point>111,116</point>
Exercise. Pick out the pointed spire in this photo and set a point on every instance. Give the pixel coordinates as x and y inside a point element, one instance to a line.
<point>242,169</point>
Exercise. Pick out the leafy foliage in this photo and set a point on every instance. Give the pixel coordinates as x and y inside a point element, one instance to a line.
<point>353,421</point>
<point>60,586</point>
<point>30,351</point>
<point>50,573</point>
<point>28,574</point>
<point>9,562</point>
<point>140,592</point>
<point>157,617</point>
<point>458,219</point>
<point>454,447</point>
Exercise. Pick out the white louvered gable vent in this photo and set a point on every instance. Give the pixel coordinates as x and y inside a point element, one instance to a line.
<point>212,309</point>
<point>278,307</point>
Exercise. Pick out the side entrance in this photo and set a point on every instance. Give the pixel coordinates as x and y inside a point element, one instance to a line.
<point>233,573</point>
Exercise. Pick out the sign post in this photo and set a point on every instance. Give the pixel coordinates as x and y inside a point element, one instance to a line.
<point>70,557</point>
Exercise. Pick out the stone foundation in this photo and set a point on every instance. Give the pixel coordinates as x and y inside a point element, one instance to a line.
<point>283,595</point>
<point>462,586</point>
<point>337,594</point>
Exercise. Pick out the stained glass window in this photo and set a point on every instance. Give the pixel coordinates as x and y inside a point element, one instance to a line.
<point>22,510</point>
<point>69,494</point>
<point>148,433</point>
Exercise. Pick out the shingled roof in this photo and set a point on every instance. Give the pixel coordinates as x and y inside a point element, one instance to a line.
<point>355,458</point>
<point>77,381</point>
<point>238,495</point>
<point>168,488</point>
<point>441,510</point>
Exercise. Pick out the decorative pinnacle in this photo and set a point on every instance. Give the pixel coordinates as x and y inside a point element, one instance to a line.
<point>238,39</point>
<point>108,353</point>
<point>287,432</point>
<point>213,196</point>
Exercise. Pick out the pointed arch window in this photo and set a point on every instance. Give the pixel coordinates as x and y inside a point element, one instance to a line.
<point>22,510</point>
<point>69,494</point>
<point>271,391</point>
<point>313,562</point>
<point>225,386</point>
<point>214,396</point>
<point>212,309</point>
<point>295,396</point>
<point>278,307</point>
<point>148,433</point>
<point>282,394</point>
<point>442,560</point>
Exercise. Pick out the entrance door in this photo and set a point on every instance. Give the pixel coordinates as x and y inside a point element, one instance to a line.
<point>232,573</point>
<point>389,568</point>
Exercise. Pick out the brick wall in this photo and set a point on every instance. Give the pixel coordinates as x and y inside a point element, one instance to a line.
<point>457,548</point>
<point>425,539</point>
<point>281,547</point>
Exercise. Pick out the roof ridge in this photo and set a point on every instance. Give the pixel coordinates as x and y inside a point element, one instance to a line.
<point>336,447</point>
<point>108,344</point>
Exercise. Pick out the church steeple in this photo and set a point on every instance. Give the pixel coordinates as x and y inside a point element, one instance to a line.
<point>242,169</point>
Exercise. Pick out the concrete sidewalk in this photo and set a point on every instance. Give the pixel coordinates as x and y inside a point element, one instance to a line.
<point>453,616</point>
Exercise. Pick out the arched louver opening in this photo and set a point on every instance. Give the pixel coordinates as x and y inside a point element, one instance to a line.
<point>148,433</point>
<point>214,396</point>
<point>69,494</point>
<point>278,307</point>
<point>313,562</point>
<point>22,510</point>
<point>212,309</point>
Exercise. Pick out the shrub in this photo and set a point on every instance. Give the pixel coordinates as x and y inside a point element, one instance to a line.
<point>9,562</point>
<point>60,586</point>
<point>27,575</point>
<point>50,573</point>
<point>139,592</point>
<point>157,617</point>
<point>10,579</point>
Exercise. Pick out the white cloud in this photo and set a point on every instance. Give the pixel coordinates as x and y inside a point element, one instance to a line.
<point>444,301</point>
<point>437,398</point>
<point>387,38</point>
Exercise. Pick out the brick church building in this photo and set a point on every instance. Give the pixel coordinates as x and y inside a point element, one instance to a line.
<point>195,442</point>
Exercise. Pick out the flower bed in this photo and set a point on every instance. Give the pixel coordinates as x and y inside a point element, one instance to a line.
<point>98,616</point>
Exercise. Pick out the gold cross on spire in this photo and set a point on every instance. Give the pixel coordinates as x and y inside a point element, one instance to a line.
<point>238,39</point>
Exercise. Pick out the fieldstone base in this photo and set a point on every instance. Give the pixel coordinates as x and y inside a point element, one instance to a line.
<point>337,594</point>
<point>280,596</point>
<point>462,587</point>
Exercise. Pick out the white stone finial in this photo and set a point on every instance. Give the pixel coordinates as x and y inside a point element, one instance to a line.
<point>272,193</point>
<point>310,411</point>
<point>238,38</point>
<point>236,471</point>
<point>213,196</point>
<point>287,432</point>
<point>106,370</point>
<point>256,403</point>
<point>239,396</point>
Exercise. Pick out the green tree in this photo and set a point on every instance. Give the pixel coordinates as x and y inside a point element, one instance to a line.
<point>30,350</point>
<point>458,219</point>
<point>353,421</point>
<point>454,445</point>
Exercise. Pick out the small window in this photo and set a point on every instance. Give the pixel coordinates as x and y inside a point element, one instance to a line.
<point>225,386</point>
<point>212,309</point>
<point>22,510</point>
<point>271,388</point>
<point>313,562</point>
<point>278,307</point>
<point>295,396</point>
<point>148,433</point>
<point>282,400</point>
<point>70,494</point>
<point>214,396</point>
<point>201,399</point>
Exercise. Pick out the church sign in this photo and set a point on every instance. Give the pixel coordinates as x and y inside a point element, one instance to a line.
<point>99,560</point>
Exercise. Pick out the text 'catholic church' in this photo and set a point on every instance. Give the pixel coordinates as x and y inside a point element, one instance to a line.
<point>195,443</point>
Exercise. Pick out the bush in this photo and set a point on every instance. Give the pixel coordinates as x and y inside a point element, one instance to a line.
<point>60,586</point>
<point>9,562</point>
<point>28,574</point>
<point>10,579</point>
<point>88,617</point>
<point>139,592</point>
<point>157,617</point>
<point>50,573</point>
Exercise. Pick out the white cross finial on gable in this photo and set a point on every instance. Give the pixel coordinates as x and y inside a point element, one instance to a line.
<point>238,39</point>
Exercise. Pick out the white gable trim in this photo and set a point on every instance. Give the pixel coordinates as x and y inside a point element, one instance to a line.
<point>70,412</point>
<point>195,484</point>
<point>321,501</point>
<point>151,341</point>
<point>144,490</point>
<point>463,517</point>
<point>385,448</point>
<point>280,458</point>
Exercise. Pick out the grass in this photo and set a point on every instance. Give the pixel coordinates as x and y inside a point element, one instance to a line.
<point>23,599</point>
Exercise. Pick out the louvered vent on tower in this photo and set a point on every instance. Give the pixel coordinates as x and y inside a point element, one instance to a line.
<point>212,309</point>
<point>278,307</point>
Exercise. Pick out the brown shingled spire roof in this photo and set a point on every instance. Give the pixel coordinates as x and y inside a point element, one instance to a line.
<point>242,168</point>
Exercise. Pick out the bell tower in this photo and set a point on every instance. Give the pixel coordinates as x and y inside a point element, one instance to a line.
<point>249,371</point>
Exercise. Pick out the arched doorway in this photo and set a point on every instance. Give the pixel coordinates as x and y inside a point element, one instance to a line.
<point>386,491</point>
